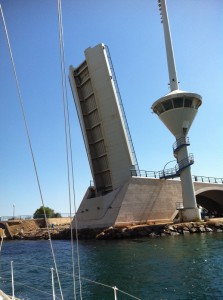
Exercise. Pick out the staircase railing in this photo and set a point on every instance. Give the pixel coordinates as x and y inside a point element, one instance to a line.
<point>183,141</point>
<point>186,162</point>
<point>180,166</point>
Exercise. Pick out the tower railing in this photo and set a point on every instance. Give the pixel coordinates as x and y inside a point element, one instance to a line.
<point>186,162</point>
<point>122,109</point>
<point>180,166</point>
<point>183,141</point>
<point>169,173</point>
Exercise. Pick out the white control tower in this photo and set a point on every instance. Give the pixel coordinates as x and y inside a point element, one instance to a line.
<point>177,111</point>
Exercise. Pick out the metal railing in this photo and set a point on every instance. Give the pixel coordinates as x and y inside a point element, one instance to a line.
<point>30,217</point>
<point>169,173</point>
<point>175,172</point>
<point>195,178</point>
<point>186,162</point>
<point>20,217</point>
<point>144,173</point>
<point>206,179</point>
<point>183,141</point>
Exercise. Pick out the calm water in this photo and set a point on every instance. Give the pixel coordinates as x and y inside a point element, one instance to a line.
<point>181,267</point>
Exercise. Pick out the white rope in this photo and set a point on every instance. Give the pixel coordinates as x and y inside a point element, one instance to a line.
<point>68,137</point>
<point>30,287</point>
<point>53,287</point>
<point>128,294</point>
<point>112,287</point>
<point>36,266</point>
<point>30,144</point>
<point>82,278</point>
<point>13,287</point>
<point>102,284</point>
<point>64,92</point>
<point>105,285</point>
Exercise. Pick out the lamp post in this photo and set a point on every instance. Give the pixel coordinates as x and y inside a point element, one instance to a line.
<point>13,211</point>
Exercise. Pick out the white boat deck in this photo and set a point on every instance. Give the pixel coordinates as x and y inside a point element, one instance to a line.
<point>3,296</point>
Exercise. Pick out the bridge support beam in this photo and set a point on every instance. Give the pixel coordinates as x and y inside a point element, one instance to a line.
<point>190,214</point>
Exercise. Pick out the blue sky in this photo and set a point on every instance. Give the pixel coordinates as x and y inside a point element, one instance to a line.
<point>134,34</point>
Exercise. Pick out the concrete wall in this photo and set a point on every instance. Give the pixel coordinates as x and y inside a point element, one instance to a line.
<point>102,211</point>
<point>140,200</point>
<point>149,199</point>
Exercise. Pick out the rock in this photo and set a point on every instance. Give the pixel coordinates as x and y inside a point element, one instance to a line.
<point>142,233</point>
<point>100,236</point>
<point>148,229</point>
<point>189,225</point>
<point>126,234</point>
<point>185,228</point>
<point>174,233</point>
<point>171,228</point>
<point>202,229</point>
<point>218,225</point>
<point>193,230</point>
<point>163,234</point>
<point>152,234</point>
<point>208,229</point>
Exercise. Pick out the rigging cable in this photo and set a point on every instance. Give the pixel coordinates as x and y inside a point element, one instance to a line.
<point>68,138</point>
<point>30,145</point>
<point>64,96</point>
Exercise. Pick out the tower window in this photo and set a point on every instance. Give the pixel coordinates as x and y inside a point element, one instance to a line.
<point>187,102</point>
<point>159,109</point>
<point>168,104</point>
<point>178,102</point>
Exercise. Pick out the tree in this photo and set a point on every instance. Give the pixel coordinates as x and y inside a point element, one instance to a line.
<point>39,213</point>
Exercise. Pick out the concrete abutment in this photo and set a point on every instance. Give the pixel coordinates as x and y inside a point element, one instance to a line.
<point>140,201</point>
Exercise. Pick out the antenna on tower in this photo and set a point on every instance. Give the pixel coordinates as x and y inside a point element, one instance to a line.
<point>169,48</point>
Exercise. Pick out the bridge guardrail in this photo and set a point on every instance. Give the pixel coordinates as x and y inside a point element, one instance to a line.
<point>195,178</point>
<point>30,217</point>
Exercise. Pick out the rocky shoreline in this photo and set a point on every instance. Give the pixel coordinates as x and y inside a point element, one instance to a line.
<point>128,232</point>
<point>160,230</point>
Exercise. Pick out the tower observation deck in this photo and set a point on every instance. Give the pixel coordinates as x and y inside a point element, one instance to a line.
<point>102,118</point>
